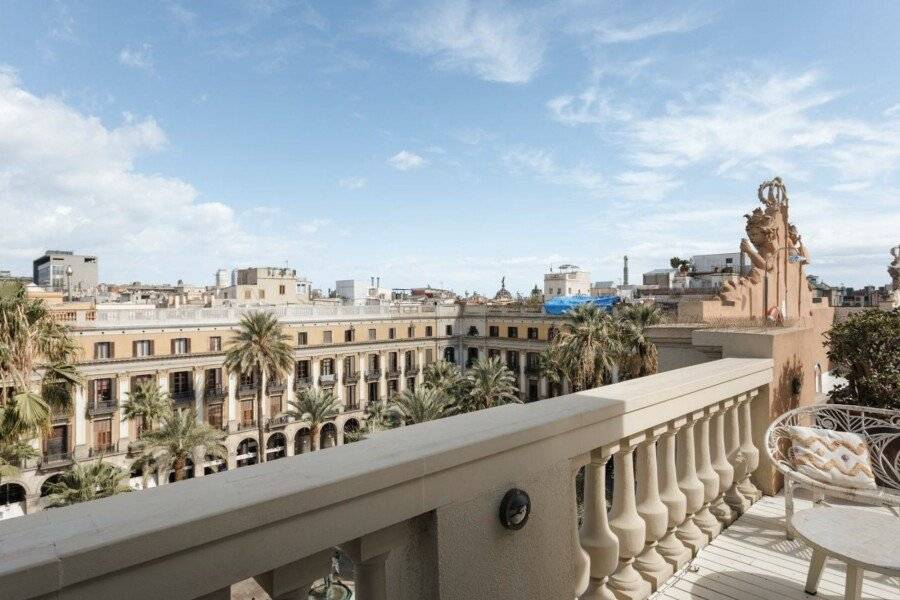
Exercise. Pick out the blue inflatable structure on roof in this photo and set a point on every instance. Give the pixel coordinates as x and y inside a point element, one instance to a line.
<point>563,304</point>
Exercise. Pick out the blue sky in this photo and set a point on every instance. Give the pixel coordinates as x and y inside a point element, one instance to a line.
<point>448,143</point>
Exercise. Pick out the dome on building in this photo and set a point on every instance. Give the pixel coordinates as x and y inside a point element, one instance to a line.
<point>503,294</point>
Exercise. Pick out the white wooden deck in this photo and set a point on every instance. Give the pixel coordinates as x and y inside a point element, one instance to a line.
<point>752,560</point>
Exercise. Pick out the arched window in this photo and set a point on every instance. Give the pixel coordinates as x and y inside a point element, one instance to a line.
<point>328,436</point>
<point>302,441</point>
<point>351,431</point>
<point>275,446</point>
<point>247,452</point>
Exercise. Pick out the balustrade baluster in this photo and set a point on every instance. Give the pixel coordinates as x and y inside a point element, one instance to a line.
<point>749,451</point>
<point>735,499</point>
<point>670,547</point>
<point>583,561</point>
<point>650,564</point>
<point>628,526</point>
<point>597,539</point>
<point>706,521</point>
<point>688,532</point>
<point>721,466</point>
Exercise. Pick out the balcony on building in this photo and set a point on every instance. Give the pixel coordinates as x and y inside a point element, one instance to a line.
<point>182,398</point>
<point>274,386</point>
<point>327,380</point>
<point>247,388</point>
<point>215,395</point>
<point>351,377</point>
<point>102,405</point>
<point>373,375</point>
<point>416,509</point>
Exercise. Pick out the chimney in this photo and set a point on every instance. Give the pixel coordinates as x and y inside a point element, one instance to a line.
<point>378,282</point>
<point>371,282</point>
<point>625,271</point>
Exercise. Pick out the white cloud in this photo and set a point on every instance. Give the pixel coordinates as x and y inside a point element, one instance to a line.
<point>352,183</point>
<point>543,164</point>
<point>406,161</point>
<point>590,106</point>
<point>493,41</point>
<point>608,33</point>
<point>137,58</point>
<point>68,180</point>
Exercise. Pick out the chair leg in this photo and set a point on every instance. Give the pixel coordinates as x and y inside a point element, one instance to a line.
<point>788,507</point>
<point>815,572</point>
<point>853,590</point>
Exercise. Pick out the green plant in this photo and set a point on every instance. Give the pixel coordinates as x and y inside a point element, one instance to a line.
<point>490,383</point>
<point>865,351</point>
<point>179,436</point>
<point>147,402</point>
<point>315,407</point>
<point>262,349</point>
<point>88,481</point>
<point>421,405</point>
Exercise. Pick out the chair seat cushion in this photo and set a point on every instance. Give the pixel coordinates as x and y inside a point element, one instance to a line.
<point>834,457</point>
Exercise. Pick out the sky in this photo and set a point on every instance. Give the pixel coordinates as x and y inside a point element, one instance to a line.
<point>448,143</point>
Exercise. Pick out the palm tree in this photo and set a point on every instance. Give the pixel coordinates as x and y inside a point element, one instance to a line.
<point>36,357</point>
<point>591,346</point>
<point>378,417</point>
<point>88,481</point>
<point>447,377</point>
<point>420,405</point>
<point>147,402</point>
<point>553,365</point>
<point>12,453</point>
<point>642,357</point>
<point>179,436</point>
<point>315,407</point>
<point>491,383</point>
<point>262,349</point>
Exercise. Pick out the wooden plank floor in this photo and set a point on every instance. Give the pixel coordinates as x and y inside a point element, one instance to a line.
<point>752,560</point>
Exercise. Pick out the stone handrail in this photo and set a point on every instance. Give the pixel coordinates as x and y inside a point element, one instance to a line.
<point>278,521</point>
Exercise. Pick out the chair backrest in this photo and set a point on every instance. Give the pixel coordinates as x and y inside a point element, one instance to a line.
<point>878,426</point>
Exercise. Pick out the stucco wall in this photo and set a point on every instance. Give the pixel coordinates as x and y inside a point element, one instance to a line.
<point>537,561</point>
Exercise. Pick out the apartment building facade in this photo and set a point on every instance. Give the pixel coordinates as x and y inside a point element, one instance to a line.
<point>362,353</point>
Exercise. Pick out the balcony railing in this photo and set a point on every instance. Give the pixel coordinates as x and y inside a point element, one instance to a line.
<point>278,421</point>
<point>373,375</point>
<point>411,370</point>
<point>393,373</point>
<point>302,382</point>
<point>215,394</point>
<point>245,425</point>
<point>102,406</point>
<point>351,378</point>
<point>404,479</point>
<point>533,370</point>
<point>102,450</point>
<point>275,387</point>
<point>247,389</point>
<point>327,380</point>
<point>182,396</point>
<point>55,459</point>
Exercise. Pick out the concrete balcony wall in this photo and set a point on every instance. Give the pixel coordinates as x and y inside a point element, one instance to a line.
<point>415,507</point>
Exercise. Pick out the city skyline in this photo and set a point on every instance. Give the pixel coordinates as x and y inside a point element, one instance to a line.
<point>449,144</point>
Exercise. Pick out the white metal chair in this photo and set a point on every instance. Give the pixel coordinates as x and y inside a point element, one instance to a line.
<point>879,427</point>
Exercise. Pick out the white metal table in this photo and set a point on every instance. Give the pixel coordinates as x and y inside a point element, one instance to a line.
<point>866,540</point>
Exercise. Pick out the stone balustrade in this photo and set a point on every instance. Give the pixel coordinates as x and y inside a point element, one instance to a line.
<point>415,508</point>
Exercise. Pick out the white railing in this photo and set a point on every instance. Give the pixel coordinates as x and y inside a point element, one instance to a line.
<point>229,315</point>
<point>682,450</point>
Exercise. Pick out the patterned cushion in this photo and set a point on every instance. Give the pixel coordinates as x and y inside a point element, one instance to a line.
<point>834,457</point>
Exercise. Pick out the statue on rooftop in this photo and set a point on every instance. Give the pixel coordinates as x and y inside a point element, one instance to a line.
<point>894,272</point>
